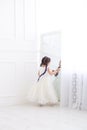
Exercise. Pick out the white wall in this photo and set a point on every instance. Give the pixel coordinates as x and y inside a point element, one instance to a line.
<point>18,49</point>
<point>48,17</point>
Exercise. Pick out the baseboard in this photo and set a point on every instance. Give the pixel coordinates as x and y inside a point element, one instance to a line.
<point>11,100</point>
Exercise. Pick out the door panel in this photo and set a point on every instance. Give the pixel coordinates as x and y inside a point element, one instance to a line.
<point>18,48</point>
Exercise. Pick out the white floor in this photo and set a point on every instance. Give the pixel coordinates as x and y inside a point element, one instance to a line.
<point>25,117</point>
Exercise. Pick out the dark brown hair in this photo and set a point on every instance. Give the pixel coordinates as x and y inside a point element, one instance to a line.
<point>45,60</point>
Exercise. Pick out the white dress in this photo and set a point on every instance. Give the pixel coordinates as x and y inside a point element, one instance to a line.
<point>43,91</point>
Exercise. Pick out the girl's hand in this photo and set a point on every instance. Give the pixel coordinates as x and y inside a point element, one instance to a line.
<point>58,69</point>
<point>52,72</point>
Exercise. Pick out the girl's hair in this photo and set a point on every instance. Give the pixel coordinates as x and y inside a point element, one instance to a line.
<point>45,60</point>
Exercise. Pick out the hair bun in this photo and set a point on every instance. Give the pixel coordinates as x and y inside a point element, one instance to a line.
<point>45,60</point>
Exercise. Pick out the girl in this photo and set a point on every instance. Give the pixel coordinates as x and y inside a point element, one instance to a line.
<point>43,93</point>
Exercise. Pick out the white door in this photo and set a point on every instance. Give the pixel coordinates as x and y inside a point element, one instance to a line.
<point>18,49</point>
<point>51,47</point>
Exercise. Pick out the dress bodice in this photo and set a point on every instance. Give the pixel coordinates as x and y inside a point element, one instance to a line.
<point>42,70</point>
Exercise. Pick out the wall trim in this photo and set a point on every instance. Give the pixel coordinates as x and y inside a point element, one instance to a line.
<point>11,100</point>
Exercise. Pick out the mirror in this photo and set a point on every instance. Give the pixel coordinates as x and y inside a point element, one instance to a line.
<point>51,46</point>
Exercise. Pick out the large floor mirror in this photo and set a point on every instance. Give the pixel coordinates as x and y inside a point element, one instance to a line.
<point>51,46</point>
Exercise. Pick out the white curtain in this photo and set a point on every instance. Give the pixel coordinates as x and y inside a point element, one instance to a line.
<point>74,90</point>
<point>74,76</point>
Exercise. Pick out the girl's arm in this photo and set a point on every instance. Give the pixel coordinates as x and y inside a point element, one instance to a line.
<point>53,72</point>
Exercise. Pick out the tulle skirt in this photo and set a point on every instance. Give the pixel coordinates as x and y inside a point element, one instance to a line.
<point>43,93</point>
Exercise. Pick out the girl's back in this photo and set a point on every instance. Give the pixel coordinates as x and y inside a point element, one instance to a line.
<point>42,70</point>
